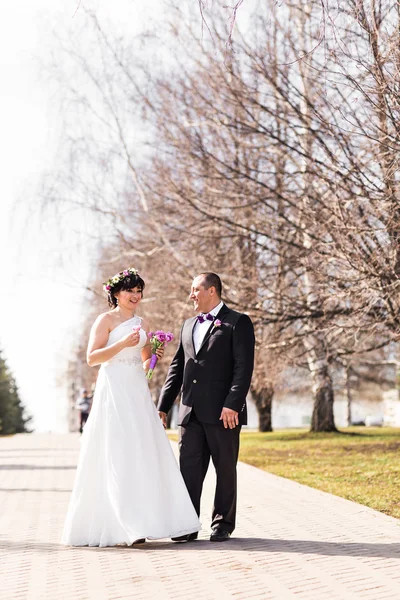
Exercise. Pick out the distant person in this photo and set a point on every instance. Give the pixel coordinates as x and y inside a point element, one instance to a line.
<point>127,486</point>
<point>83,406</point>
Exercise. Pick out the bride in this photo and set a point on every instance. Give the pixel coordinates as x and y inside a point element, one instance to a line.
<point>128,486</point>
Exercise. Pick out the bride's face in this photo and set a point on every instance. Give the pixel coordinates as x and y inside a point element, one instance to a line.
<point>129,299</point>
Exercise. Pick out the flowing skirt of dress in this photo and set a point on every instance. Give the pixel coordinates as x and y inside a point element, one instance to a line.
<point>128,484</point>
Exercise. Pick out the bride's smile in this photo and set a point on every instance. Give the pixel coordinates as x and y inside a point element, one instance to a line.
<point>129,299</point>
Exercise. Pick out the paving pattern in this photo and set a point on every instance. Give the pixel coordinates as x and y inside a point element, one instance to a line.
<point>291,542</point>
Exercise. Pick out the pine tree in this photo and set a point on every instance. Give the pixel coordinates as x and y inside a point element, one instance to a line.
<point>12,418</point>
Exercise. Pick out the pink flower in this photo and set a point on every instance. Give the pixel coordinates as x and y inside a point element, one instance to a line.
<point>108,288</point>
<point>150,334</point>
<point>217,323</point>
<point>125,272</point>
<point>160,335</point>
<point>169,336</point>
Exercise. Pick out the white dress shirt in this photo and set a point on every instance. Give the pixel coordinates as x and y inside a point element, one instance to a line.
<point>200,329</point>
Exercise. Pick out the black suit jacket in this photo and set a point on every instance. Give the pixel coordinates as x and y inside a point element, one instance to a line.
<point>218,375</point>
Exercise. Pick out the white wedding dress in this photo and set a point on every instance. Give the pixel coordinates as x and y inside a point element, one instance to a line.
<point>128,484</point>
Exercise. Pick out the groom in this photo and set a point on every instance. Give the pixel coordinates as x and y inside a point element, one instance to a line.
<point>212,367</point>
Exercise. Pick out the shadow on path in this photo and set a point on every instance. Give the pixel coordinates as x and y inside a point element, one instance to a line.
<point>35,490</point>
<point>35,467</point>
<point>235,544</point>
<point>48,449</point>
<point>45,455</point>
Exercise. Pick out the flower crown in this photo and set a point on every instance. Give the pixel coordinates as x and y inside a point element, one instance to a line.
<point>108,285</point>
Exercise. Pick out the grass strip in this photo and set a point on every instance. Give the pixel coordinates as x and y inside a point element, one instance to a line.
<point>360,464</point>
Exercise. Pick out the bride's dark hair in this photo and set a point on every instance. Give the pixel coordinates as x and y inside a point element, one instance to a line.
<point>130,281</point>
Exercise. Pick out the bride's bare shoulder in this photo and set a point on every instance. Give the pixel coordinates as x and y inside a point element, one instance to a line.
<point>105,319</point>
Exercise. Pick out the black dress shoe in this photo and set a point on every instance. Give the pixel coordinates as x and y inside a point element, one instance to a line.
<point>186,538</point>
<point>219,535</point>
<point>139,541</point>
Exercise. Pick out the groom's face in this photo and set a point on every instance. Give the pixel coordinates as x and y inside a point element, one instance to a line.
<point>203,299</point>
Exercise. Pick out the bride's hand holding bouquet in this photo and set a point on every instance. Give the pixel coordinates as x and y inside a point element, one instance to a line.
<point>158,340</point>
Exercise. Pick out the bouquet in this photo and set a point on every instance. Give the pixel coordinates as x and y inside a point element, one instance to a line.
<point>157,340</point>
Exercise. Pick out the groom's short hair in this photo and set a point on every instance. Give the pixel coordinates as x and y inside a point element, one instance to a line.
<point>212,280</point>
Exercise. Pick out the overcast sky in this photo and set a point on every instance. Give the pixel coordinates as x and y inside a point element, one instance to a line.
<point>41,303</point>
<point>40,308</point>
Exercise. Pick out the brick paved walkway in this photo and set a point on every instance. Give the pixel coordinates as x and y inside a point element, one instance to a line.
<point>291,542</point>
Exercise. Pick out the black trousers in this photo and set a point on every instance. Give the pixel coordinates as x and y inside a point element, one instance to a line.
<point>82,420</point>
<point>198,442</point>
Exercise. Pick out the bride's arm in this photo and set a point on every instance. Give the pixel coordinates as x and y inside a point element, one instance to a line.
<point>96,351</point>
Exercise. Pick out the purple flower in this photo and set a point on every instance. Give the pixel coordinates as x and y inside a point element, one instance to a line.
<point>217,323</point>
<point>160,335</point>
<point>169,336</point>
<point>125,272</point>
<point>108,288</point>
<point>150,334</point>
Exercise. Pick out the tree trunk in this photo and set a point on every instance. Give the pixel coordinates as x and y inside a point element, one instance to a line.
<point>349,396</point>
<point>322,417</point>
<point>263,401</point>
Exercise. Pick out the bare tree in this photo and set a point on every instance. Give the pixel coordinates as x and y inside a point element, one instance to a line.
<point>257,166</point>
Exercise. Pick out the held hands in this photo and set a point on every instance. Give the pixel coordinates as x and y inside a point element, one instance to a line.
<point>229,417</point>
<point>132,339</point>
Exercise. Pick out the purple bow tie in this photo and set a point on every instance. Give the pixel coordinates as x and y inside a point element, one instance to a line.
<point>202,317</point>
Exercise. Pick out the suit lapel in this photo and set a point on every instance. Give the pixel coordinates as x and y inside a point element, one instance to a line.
<point>192,326</point>
<point>223,310</point>
<point>188,337</point>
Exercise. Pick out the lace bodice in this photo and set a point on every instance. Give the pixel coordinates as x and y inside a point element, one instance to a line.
<point>127,356</point>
